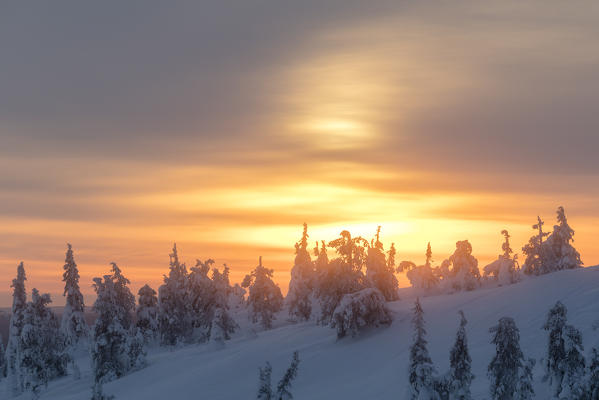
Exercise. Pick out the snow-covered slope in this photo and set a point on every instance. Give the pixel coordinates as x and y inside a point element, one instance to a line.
<point>373,366</point>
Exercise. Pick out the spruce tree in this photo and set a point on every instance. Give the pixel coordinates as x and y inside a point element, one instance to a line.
<point>265,298</point>
<point>147,314</point>
<point>223,324</point>
<point>299,301</point>
<point>13,350</point>
<point>504,369</point>
<point>201,293</point>
<point>573,364</point>
<point>504,270</point>
<point>73,326</point>
<point>42,356</point>
<point>464,273</point>
<point>535,262</point>
<point>560,252</point>
<point>422,369</point>
<point>421,277</point>
<point>555,325</point>
<point>2,359</point>
<point>264,385</point>
<point>174,318</point>
<point>460,375</point>
<point>592,381</point>
<point>282,392</point>
<point>525,383</point>
<point>379,272</point>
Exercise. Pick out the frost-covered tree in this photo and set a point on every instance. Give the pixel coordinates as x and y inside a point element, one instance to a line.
<point>422,277</point>
<point>535,263</point>
<point>15,382</point>
<point>147,314</point>
<point>282,392</point>
<point>73,326</point>
<point>379,272</point>
<point>504,369</point>
<point>460,375</point>
<point>201,293</point>
<point>564,363</point>
<point>299,297</point>
<point>343,274</point>
<point>223,324</point>
<point>504,270</point>
<point>42,355</point>
<point>174,307</point>
<point>463,268</point>
<point>265,298</point>
<point>117,346</point>
<point>356,311</point>
<point>560,254</point>
<point>422,370</point>
<point>2,359</point>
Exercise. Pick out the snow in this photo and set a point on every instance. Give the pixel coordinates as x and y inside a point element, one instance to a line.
<point>373,365</point>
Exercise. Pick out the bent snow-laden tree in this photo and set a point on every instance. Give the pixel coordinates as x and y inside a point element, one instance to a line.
<point>422,277</point>
<point>510,376</point>
<point>462,267</point>
<point>265,298</point>
<point>422,370</point>
<point>380,270</point>
<point>42,355</point>
<point>343,274</point>
<point>282,392</point>
<point>504,270</point>
<point>117,347</point>
<point>147,314</point>
<point>19,304</point>
<point>356,311</point>
<point>299,297</point>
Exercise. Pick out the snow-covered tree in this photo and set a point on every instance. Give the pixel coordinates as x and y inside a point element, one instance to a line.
<point>282,392</point>
<point>174,315</point>
<point>73,326</point>
<point>343,275</point>
<point>463,268</point>
<point>147,314</point>
<point>117,346</point>
<point>564,363</point>
<point>422,370</point>
<point>535,263</point>
<point>356,311</point>
<point>299,296</point>
<point>422,277</point>
<point>525,382</point>
<point>379,271</point>
<point>42,355</point>
<point>460,375</point>
<point>504,270</point>
<point>558,247</point>
<point>13,350</point>
<point>592,381</point>
<point>223,324</point>
<point>505,368</point>
<point>265,298</point>
<point>2,359</point>
<point>201,293</point>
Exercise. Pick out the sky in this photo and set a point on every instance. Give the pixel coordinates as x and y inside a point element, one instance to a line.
<point>224,125</point>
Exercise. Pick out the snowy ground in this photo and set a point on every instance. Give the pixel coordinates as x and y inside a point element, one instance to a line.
<point>373,366</point>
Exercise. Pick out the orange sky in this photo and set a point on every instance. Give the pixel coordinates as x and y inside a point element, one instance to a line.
<point>225,129</point>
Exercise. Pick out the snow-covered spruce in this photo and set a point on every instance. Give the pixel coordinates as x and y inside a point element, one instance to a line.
<point>421,277</point>
<point>282,392</point>
<point>509,378</point>
<point>555,253</point>
<point>462,267</point>
<point>504,270</point>
<point>73,327</point>
<point>265,298</point>
<point>147,314</point>
<point>201,294</point>
<point>565,363</point>
<point>174,316</point>
<point>343,275</point>
<point>592,379</point>
<point>460,376</point>
<point>15,384</point>
<point>2,359</point>
<point>41,356</point>
<point>223,324</point>
<point>299,296</point>
<point>380,270</point>
<point>363,309</point>
<point>422,370</point>
<point>117,347</point>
